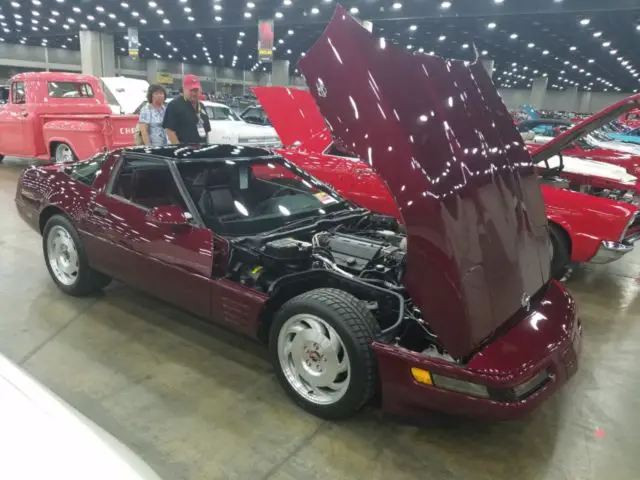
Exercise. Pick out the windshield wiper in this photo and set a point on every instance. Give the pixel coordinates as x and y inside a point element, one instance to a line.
<point>315,220</point>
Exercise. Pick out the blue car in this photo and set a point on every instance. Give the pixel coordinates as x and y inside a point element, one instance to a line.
<point>632,136</point>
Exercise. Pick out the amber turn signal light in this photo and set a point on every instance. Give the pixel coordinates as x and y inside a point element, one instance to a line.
<point>421,376</point>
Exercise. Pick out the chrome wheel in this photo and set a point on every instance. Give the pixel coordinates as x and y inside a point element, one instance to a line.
<point>314,359</point>
<point>64,154</point>
<point>62,255</point>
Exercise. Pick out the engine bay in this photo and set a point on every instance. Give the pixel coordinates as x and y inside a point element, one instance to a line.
<point>368,253</point>
<point>373,249</point>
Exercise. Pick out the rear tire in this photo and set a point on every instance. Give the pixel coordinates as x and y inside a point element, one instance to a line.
<point>64,154</point>
<point>66,259</point>
<point>561,259</point>
<point>320,346</point>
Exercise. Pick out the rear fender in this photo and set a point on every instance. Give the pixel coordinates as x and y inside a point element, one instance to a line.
<point>84,137</point>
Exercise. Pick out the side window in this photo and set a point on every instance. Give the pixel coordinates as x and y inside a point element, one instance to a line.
<point>17,93</point>
<point>146,183</point>
<point>263,118</point>
<point>70,90</point>
<point>87,171</point>
<point>253,116</point>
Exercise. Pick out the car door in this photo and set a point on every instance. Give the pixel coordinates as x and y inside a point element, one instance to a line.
<point>174,264</point>
<point>14,118</point>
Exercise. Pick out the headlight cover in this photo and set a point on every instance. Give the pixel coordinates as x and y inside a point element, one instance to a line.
<point>460,386</point>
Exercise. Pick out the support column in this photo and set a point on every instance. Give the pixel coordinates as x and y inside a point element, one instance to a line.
<point>585,102</point>
<point>538,92</point>
<point>488,65</point>
<point>97,53</point>
<point>152,70</point>
<point>572,99</point>
<point>280,72</point>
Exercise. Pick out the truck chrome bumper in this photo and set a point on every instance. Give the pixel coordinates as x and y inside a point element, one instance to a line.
<point>611,251</point>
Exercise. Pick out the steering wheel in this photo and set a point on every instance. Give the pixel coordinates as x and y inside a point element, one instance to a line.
<point>281,191</point>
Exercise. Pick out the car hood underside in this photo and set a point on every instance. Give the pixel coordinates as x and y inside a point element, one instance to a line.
<point>441,139</point>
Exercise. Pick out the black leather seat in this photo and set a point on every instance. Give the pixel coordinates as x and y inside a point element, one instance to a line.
<point>217,199</point>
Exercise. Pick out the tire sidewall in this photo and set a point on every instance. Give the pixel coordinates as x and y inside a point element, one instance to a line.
<point>83,269</point>
<point>344,407</point>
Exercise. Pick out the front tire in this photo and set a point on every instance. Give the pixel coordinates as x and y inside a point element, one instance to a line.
<point>320,345</point>
<point>64,154</point>
<point>67,261</point>
<point>561,259</point>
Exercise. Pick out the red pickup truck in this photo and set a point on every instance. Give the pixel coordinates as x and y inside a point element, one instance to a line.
<point>60,116</point>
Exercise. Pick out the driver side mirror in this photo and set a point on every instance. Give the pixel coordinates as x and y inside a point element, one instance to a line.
<point>169,216</point>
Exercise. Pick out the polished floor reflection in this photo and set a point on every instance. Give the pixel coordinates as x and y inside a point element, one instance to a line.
<point>200,403</point>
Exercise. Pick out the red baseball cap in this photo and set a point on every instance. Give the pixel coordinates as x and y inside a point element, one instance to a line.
<point>191,82</point>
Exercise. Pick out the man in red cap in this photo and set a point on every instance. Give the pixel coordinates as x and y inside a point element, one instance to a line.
<point>186,120</point>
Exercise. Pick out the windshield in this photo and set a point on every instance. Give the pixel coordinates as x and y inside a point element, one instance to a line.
<point>248,198</point>
<point>221,112</point>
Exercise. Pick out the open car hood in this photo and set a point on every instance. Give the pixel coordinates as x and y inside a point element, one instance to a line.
<point>585,127</point>
<point>292,112</point>
<point>440,137</point>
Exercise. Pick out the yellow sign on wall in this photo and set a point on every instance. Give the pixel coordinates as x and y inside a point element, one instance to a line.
<point>165,78</point>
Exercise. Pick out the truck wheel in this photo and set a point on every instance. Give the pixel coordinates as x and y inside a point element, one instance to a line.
<point>64,154</point>
<point>66,259</point>
<point>1,158</point>
<point>320,345</point>
<point>561,257</point>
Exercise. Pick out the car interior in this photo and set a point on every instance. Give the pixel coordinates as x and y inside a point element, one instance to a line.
<point>238,199</point>
<point>147,184</point>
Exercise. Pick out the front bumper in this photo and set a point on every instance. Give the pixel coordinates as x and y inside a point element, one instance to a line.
<point>520,369</point>
<point>611,251</point>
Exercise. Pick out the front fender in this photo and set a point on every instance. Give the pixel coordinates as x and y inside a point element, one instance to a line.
<point>588,220</point>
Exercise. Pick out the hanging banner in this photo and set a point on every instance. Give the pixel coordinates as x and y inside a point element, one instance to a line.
<point>134,44</point>
<point>265,40</point>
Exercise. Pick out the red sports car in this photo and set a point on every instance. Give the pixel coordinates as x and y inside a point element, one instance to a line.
<point>453,311</point>
<point>583,227</point>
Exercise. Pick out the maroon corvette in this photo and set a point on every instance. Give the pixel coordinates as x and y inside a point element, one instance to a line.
<point>453,311</point>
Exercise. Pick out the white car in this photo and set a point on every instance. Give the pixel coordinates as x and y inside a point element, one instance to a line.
<point>125,95</point>
<point>228,127</point>
<point>43,437</point>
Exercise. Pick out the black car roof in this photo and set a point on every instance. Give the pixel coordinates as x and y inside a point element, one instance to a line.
<point>208,152</point>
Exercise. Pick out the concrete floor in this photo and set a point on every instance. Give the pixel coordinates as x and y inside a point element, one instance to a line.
<point>197,402</point>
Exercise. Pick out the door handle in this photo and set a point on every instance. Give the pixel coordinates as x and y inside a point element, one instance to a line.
<point>24,114</point>
<point>100,211</point>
